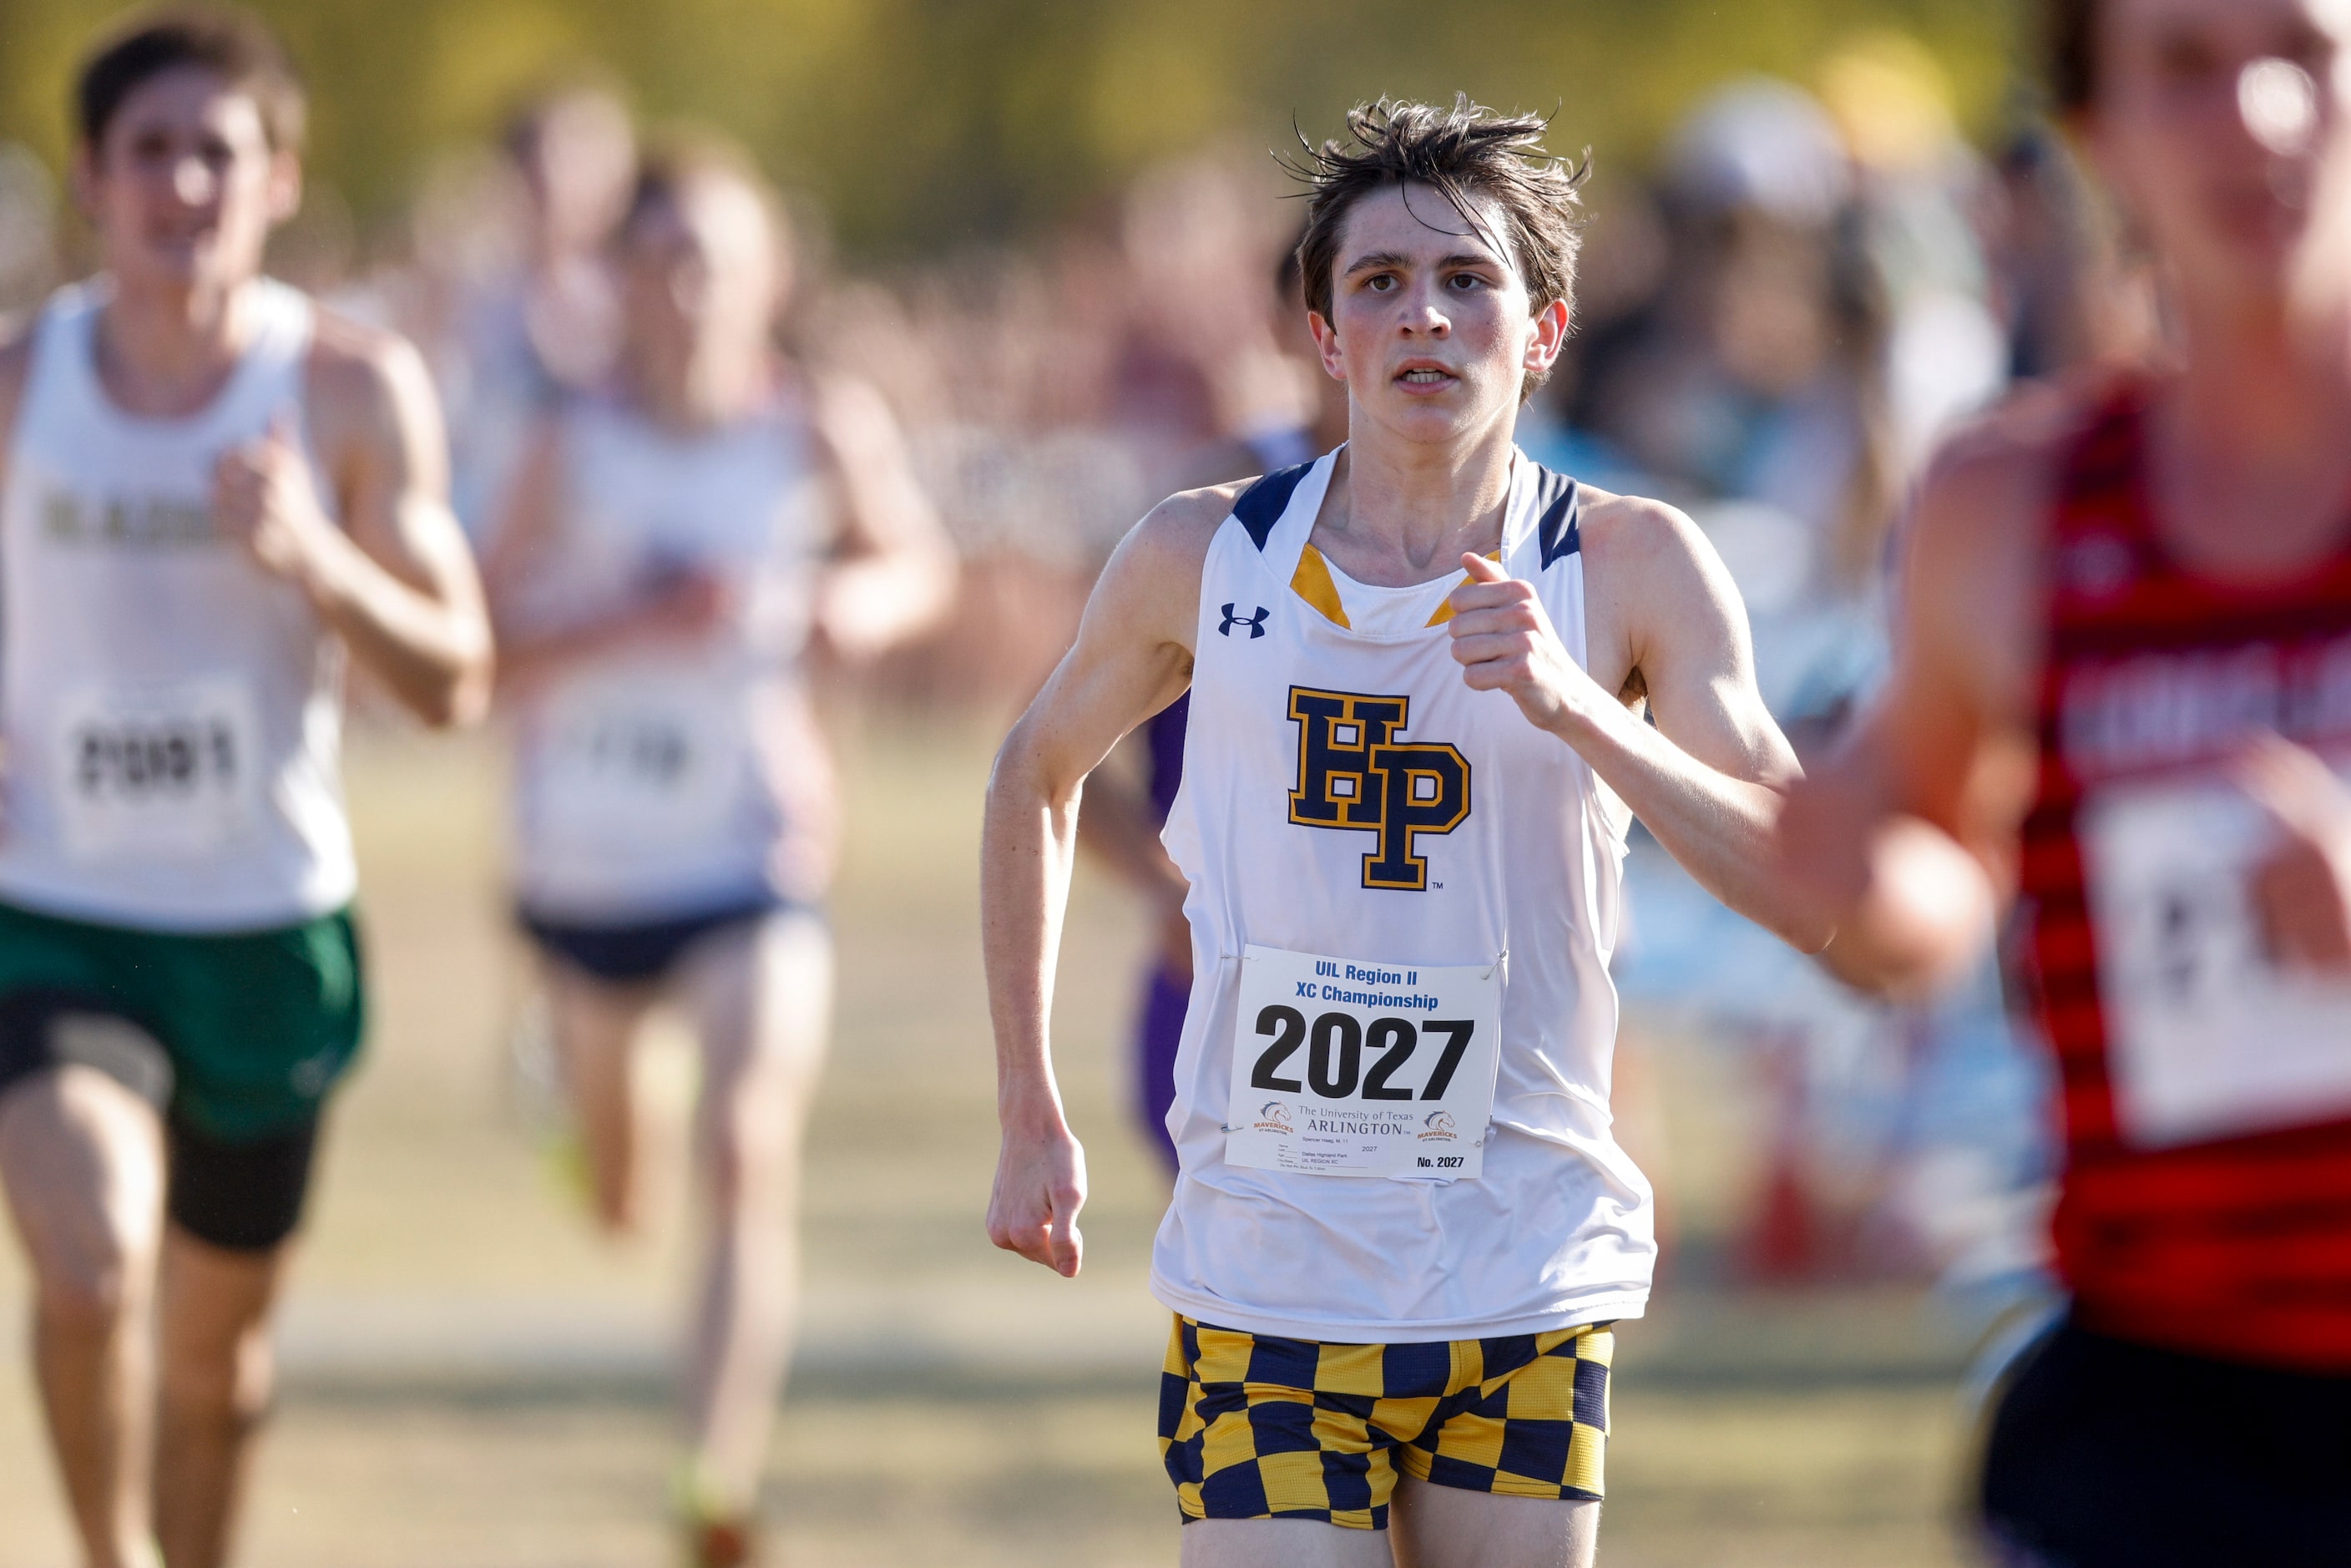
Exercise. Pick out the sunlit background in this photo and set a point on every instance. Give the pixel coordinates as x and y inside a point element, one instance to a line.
<point>1049,232</point>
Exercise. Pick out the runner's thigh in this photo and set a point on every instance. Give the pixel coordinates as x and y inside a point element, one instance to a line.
<point>1281,1543</point>
<point>1452,1527</point>
<point>761,996</point>
<point>82,1158</point>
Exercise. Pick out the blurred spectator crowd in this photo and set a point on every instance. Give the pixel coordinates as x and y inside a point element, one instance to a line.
<point>1775,321</point>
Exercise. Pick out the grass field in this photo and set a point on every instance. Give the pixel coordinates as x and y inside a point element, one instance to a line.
<point>473,1381</point>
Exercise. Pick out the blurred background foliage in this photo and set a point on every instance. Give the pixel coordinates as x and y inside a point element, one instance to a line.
<point>925,125</point>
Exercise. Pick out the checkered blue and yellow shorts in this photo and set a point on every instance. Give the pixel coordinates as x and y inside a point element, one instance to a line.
<point>1251,1426</point>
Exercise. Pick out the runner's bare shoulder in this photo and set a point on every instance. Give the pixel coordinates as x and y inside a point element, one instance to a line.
<point>1184,522</point>
<point>1974,544</point>
<point>367,383</point>
<point>1655,587</point>
<point>1153,580</point>
<point>1993,478</point>
<point>1621,533</point>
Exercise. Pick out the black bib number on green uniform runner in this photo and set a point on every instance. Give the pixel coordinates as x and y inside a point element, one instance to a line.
<point>136,759</point>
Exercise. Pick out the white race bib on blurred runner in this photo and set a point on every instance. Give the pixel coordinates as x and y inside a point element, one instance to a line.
<point>164,771</point>
<point>1343,1067</point>
<point>2207,1037</point>
<point>646,768</point>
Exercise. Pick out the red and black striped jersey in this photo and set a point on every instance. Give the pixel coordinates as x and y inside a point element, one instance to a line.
<point>2206,1203</point>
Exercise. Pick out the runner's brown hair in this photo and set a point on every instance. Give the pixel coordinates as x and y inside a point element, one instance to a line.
<point>2072,45</point>
<point>1465,153</point>
<point>680,158</point>
<point>236,44</point>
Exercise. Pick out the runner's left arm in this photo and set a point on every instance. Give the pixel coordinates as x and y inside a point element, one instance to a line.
<point>396,579</point>
<point>1710,776</point>
<point>893,573</point>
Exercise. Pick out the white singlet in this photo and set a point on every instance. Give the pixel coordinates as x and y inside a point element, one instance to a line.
<point>1405,859</point>
<point>173,713</point>
<point>668,780</point>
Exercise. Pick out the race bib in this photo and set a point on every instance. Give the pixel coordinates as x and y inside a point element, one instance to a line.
<point>1347,1068</point>
<point>2207,1037</point>
<point>651,771</point>
<point>168,772</point>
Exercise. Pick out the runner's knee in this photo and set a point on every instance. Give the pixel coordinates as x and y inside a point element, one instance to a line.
<point>753,1158</point>
<point>90,1289</point>
<point>93,1268</point>
<point>231,1375</point>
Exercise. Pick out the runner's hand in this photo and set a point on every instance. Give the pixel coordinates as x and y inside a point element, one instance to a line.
<point>1040,1185</point>
<point>264,498</point>
<point>1503,639</point>
<point>2301,890</point>
<point>686,605</point>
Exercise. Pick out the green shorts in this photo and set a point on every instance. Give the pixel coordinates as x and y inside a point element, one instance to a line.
<point>255,1027</point>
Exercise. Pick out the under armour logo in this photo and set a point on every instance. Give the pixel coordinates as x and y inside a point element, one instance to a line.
<point>1256,624</point>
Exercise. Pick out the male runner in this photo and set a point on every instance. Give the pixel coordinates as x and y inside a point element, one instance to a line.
<point>212,492</point>
<point>673,548</point>
<point>2119,699</point>
<point>1417,666</point>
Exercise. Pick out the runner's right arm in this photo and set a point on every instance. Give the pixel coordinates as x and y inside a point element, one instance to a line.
<point>390,573</point>
<point>15,364</point>
<point>1910,830</point>
<point>530,526</point>
<point>1132,657</point>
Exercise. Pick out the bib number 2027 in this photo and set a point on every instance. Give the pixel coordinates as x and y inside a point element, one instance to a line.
<point>1347,1068</point>
<point>1335,1059</point>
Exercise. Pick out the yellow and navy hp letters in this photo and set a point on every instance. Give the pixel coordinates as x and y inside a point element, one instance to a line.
<point>1354,775</point>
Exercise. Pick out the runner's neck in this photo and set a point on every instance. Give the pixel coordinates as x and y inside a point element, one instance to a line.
<point>1400,515</point>
<point>167,354</point>
<point>2266,379</point>
<point>2248,470</point>
<point>708,391</point>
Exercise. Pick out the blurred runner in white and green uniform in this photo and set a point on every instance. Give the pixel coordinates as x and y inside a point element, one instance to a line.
<point>213,494</point>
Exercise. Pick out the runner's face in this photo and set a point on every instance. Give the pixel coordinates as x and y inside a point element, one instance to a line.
<point>2223,124</point>
<point>184,188</point>
<point>700,275</point>
<point>1431,328</point>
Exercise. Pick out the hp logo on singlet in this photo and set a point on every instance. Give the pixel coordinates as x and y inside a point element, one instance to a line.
<point>1353,776</point>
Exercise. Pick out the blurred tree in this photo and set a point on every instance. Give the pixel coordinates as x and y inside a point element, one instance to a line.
<point>919,124</point>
